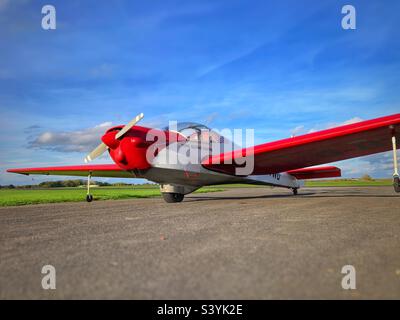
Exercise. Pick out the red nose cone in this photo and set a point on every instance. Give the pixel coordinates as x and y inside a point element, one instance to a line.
<point>109,140</point>
<point>130,150</point>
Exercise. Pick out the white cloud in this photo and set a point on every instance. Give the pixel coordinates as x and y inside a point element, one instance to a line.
<point>71,141</point>
<point>351,121</point>
<point>297,131</point>
<point>377,165</point>
<point>302,129</point>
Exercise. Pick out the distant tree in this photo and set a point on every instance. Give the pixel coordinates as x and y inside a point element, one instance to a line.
<point>103,184</point>
<point>121,184</point>
<point>366,177</point>
<point>72,183</point>
<point>51,184</point>
<point>57,184</point>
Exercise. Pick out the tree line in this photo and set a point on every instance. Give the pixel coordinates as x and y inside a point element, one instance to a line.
<point>65,184</point>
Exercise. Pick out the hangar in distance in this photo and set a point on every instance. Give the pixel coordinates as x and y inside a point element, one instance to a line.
<point>190,155</point>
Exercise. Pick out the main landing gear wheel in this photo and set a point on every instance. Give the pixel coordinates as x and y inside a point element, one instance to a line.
<point>396,179</point>
<point>172,197</point>
<point>295,191</point>
<point>89,198</point>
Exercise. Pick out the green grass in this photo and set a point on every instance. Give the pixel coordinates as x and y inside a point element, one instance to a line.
<point>348,183</point>
<point>19,197</point>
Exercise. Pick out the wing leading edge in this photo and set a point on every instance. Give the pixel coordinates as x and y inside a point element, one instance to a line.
<point>99,170</point>
<point>340,143</point>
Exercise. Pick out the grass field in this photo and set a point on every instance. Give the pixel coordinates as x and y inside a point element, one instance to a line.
<point>19,197</point>
<point>348,183</point>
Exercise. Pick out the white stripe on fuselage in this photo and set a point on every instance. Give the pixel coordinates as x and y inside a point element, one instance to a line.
<point>278,179</point>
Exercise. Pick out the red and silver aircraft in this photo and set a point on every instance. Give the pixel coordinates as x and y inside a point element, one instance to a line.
<point>139,152</point>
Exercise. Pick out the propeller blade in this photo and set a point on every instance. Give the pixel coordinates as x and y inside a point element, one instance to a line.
<point>98,151</point>
<point>129,126</point>
<point>102,147</point>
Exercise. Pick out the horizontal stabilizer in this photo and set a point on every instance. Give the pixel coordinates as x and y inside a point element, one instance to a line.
<point>316,172</point>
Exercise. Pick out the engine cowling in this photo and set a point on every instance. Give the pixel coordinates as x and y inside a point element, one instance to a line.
<point>130,151</point>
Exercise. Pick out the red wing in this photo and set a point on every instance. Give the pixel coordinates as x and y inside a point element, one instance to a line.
<point>99,170</point>
<point>340,143</point>
<point>316,172</point>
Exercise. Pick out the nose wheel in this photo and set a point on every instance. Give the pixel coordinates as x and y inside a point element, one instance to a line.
<point>295,191</point>
<point>89,197</point>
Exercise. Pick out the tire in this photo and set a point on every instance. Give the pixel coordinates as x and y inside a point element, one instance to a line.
<point>295,191</point>
<point>396,184</point>
<point>172,197</point>
<point>89,198</point>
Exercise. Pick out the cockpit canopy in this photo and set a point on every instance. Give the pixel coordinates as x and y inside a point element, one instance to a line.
<point>201,134</point>
<point>180,126</point>
<point>195,132</point>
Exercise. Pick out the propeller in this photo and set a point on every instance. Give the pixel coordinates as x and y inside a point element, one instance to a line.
<point>102,147</point>
<point>97,152</point>
<point>129,126</point>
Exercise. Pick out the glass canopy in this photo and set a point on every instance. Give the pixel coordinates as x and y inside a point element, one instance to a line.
<point>199,133</point>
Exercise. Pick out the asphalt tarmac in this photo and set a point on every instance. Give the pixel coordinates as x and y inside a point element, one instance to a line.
<point>245,243</point>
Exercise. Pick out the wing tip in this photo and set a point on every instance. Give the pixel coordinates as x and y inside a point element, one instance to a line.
<point>19,171</point>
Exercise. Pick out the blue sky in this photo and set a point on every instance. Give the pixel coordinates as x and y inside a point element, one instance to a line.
<point>276,66</point>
